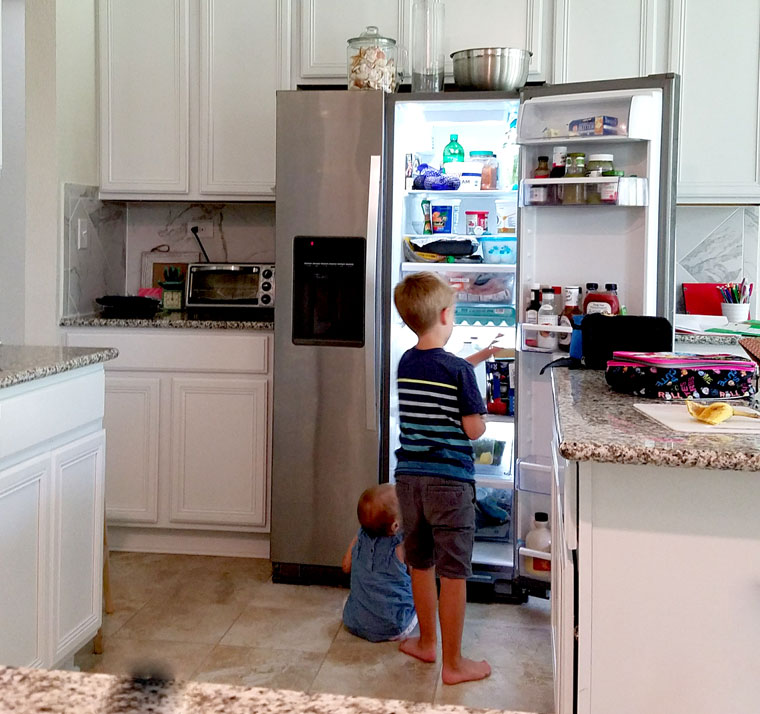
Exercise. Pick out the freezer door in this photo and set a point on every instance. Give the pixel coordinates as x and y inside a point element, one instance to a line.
<point>325,443</point>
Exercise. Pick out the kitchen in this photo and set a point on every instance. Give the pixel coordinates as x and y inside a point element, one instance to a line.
<point>52,113</point>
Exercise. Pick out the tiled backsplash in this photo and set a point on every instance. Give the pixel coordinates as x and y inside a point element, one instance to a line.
<point>119,233</point>
<point>242,232</point>
<point>716,244</point>
<point>99,268</point>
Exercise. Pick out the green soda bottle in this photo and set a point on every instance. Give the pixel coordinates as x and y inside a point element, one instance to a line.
<point>453,150</point>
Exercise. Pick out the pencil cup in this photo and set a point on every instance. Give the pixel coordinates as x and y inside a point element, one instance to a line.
<point>735,311</point>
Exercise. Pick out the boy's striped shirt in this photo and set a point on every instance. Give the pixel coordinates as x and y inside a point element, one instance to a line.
<point>435,390</point>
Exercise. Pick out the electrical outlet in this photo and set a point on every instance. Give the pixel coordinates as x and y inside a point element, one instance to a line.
<point>205,229</point>
<point>83,240</point>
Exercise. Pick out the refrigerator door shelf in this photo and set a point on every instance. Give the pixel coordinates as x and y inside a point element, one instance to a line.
<point>619,191</point>
<point>534,476</point>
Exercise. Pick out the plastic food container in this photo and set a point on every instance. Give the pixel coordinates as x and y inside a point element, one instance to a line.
<point>506,217</point>
<point>489,169</point>
<point>499,249</point>
<point>477,222</point>
<point>372,61</point>
<point>445,214</point>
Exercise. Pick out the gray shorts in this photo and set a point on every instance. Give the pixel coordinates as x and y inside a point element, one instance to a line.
<point>438,518</point>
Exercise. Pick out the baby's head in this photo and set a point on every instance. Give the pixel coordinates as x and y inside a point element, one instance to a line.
<point>378,510</point>
<point>420,298</point>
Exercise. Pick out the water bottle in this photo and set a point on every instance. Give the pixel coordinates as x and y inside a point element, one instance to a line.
<point>427,46</point>
<point>453,151</point>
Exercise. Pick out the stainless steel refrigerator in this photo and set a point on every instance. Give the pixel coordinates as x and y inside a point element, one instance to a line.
<point>348,229</point>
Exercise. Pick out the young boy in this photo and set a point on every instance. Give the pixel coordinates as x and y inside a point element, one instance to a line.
<point>441,410</point>
<point>380,605</point>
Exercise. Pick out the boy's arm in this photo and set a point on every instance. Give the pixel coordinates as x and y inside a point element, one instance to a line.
<point>473,426</point>
<point>346,564</point>
<point>484,354</point>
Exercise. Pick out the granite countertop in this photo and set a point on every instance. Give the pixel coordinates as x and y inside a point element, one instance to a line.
<point>27,691</point>
<point>178,320</point>
<point>713,339</point>
<point>22,363</point>
<point>597,424</point>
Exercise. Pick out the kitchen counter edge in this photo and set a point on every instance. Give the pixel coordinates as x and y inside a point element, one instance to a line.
<point>181,322</point>
<point>25,363</point>
<point>31,690</point>
<point>596,424</point>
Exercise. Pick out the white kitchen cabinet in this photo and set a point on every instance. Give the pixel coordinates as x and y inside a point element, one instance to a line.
<point>717,54</point>
<point>323,27</point>
<point>76,543</point>
<point>597,39</point>
<point>219,454</point>
<point>132,422</point>
<point>23,560</point>
<point>51,516</point>
<point>188,416</point>
<point>187,97</point>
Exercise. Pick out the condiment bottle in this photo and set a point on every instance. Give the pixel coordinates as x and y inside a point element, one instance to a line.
<point>531,314</point>
<point>453,151</point>
<point>601,301</point>
<point>539,195</point>
<point>575,167</point>
<point>572,298</point>
<point>547,316</point>
<point>559,158</point>
<point>539,538</point>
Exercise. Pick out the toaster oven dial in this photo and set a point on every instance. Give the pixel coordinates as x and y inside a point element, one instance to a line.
<point>266,274</point>
<point>266,299</point>
<point>266,286</point>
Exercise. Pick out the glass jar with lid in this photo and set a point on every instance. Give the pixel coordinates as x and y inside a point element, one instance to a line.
<point>490,172</point>
<point>575,167</point>
<point>372,61</point>
<point>598,165</point>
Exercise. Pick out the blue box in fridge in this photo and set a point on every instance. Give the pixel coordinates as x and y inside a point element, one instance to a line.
<point>591,126</point>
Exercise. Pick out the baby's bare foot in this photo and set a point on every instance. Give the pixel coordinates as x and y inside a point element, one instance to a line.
<point>413,648</point>
<point>468,671</point>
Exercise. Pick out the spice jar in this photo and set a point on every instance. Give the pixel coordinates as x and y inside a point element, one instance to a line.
<point>372,61</point>
<point>597,165</point>
<point>575,167</point>
<point>489,174</point>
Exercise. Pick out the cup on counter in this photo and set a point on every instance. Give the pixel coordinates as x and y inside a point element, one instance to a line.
<point>735,311</point>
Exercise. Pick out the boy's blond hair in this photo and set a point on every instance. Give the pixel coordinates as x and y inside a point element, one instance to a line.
<point>377,510</point>
<point>419,299</point>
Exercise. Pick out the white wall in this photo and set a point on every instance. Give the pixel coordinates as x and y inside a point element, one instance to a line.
<point>61,144</point>
<point>12,178</point>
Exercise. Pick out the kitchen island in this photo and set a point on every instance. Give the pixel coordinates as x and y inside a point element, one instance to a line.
<point>51,500</point>
<point>655,559</point>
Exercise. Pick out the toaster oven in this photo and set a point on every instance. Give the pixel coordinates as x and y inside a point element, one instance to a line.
<point>242,288</point>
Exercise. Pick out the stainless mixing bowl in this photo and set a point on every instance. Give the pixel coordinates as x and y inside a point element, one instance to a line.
<point>503,68</point>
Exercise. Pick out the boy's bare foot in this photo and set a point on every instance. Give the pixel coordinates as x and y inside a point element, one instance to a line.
<point>468,671</point>
<point>412,647</point>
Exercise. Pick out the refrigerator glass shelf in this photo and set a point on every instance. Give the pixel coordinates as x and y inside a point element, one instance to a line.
<point>459,267</point>
<point>498,419</point>
<point>466,194</point>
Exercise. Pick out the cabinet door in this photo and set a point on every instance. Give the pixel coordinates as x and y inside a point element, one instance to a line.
<point>495,23</point>
<point>144,74</point>
<point>76,544</point>
<point>132,424</point>
<point>597,39</point>
<point>326,25</point>
<point>717,55</point>
<point>242,65</point>
<point>23,561</point>
<point>219,450</point>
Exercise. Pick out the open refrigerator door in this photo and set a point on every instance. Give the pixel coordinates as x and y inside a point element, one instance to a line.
<point>459,219</point>
<point>610,227</point>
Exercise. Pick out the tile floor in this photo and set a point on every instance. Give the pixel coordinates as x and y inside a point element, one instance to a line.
<point>224,620</point>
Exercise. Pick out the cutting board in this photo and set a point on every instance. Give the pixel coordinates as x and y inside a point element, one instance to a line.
<point>677,418</point>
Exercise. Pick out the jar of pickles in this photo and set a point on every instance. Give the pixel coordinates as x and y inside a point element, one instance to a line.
<point>575,167</point>
<point>372,61</point>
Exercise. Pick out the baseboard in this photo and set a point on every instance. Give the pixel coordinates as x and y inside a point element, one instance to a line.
<point>188,542</point>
